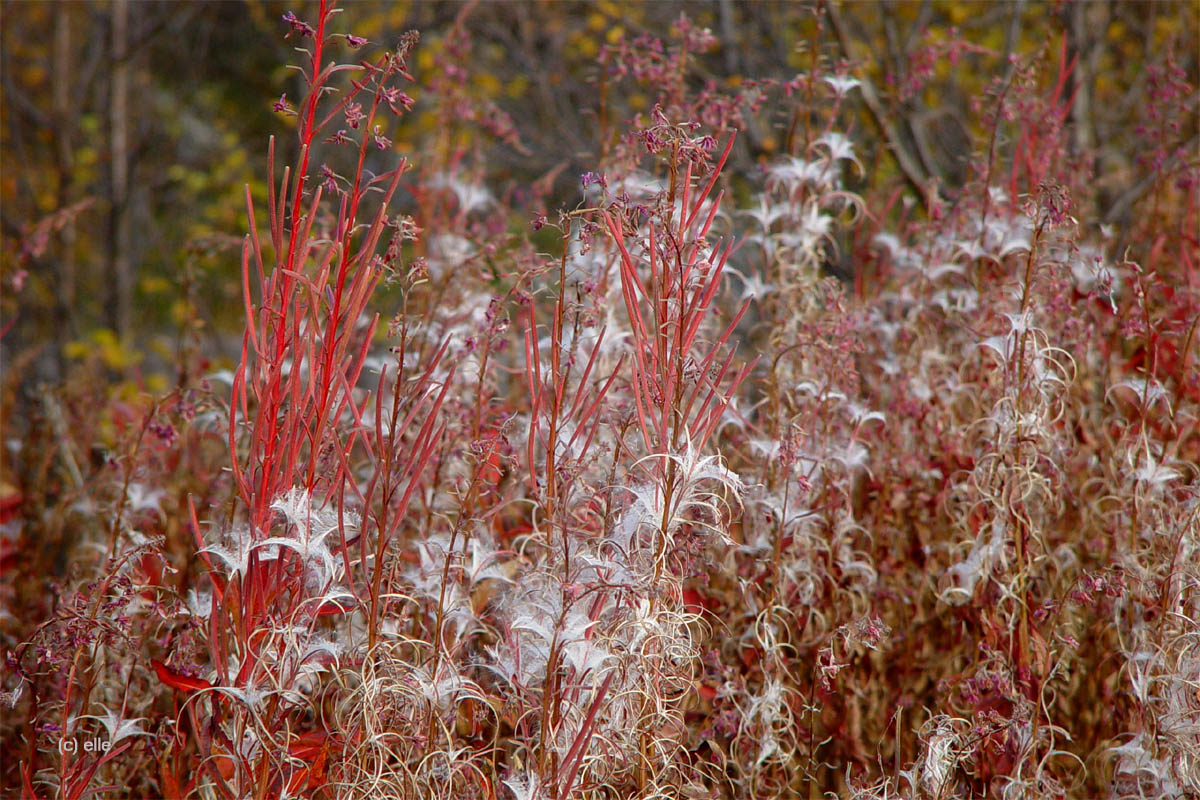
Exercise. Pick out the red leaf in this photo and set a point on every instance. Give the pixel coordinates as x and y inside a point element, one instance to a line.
<point>330,608</point>
<point>317,770</point>
<point>307,745</point>
<point>169,783</point>
<point>298,779</point>
<point>314,748</point>
<point>9,553</point>
<point>693,601</point>
<point>177,680</point>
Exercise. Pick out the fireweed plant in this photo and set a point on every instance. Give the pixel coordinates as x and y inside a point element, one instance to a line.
<point>667,511</point>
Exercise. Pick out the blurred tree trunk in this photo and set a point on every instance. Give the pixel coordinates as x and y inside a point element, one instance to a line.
<point>64,122</point>
<point>1085,51</point>
<point>120,268</point>
<point>729,37</point>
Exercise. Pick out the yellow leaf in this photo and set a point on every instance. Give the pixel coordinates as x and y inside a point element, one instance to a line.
<point>588,47</point>
<point>154,285</point>
<point>488,83</point>
<point>181,312</point>
<point>517,86</point>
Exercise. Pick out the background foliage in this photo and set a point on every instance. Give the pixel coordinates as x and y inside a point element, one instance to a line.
<point>195,116</point>
<point>905,504</point>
